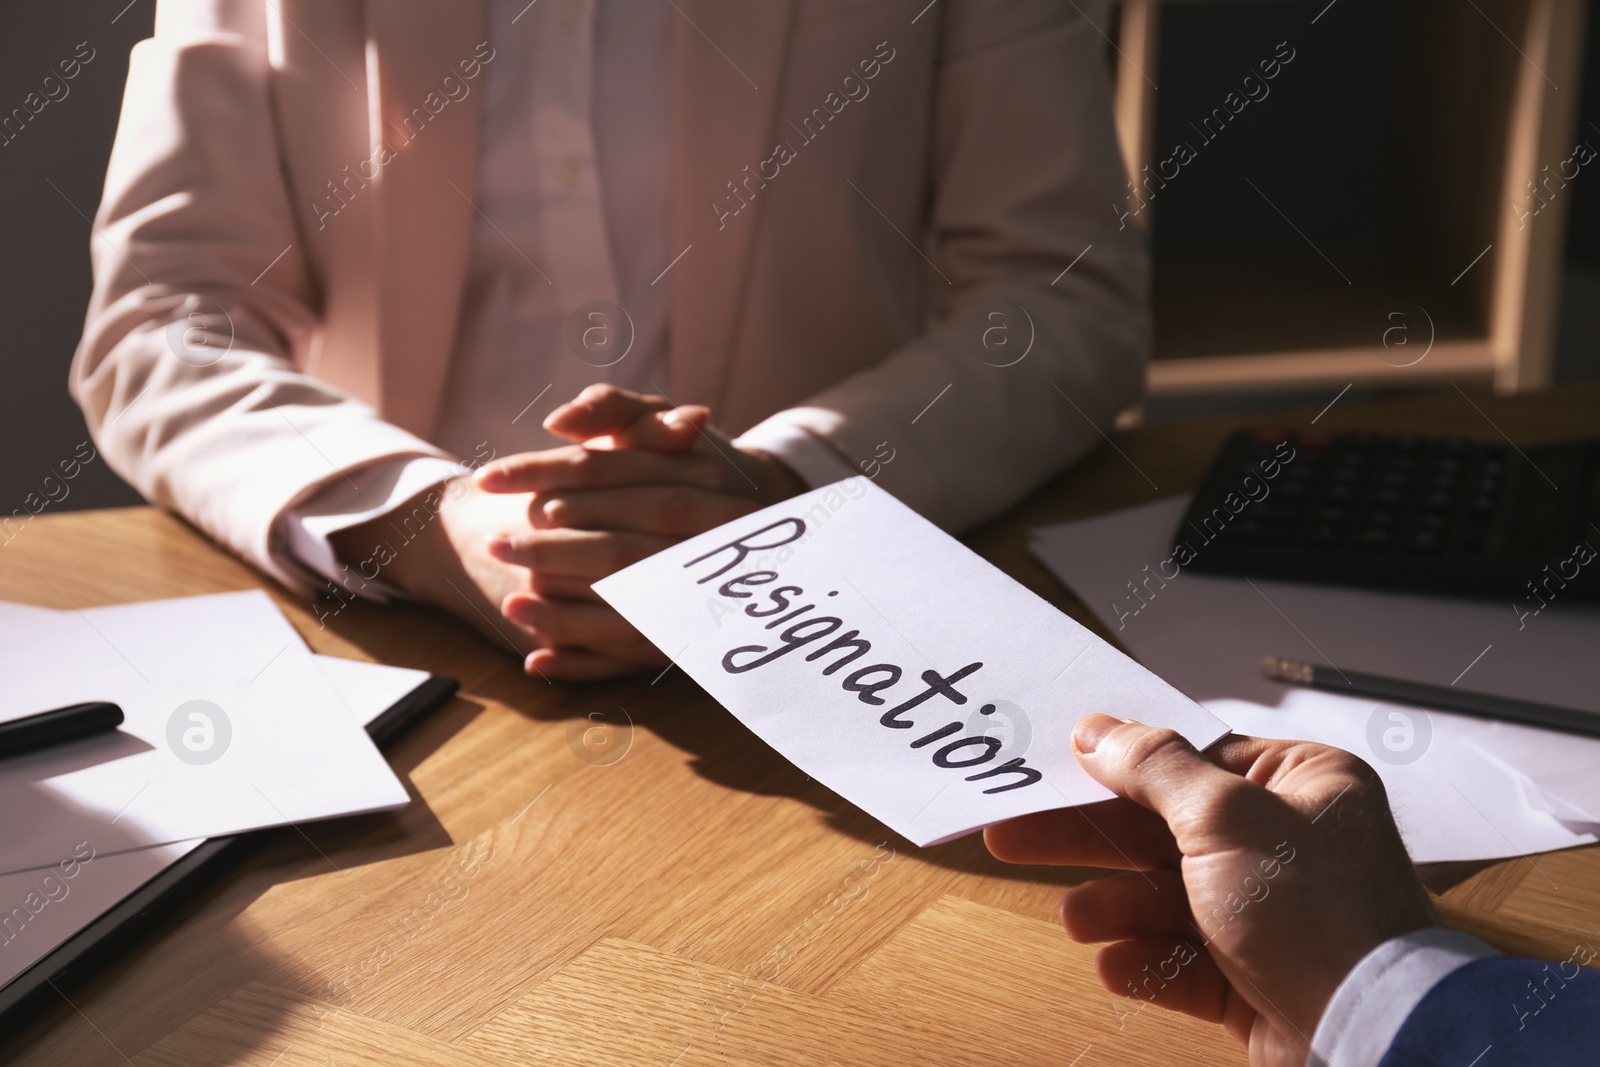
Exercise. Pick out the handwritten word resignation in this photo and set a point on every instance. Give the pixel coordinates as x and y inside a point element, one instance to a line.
<point>866,682</point>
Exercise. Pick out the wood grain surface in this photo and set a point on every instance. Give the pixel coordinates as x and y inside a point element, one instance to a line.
<point>698,900</point>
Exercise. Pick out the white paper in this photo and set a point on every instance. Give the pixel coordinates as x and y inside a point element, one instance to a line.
<point>46,907</point>
<point>368,689</point>
<point>1208,635</point>
<point>295,753</point>
<point>869,566</point>
<point>1563,769</point>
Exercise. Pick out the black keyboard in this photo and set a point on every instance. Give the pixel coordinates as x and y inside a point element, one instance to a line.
<point>1431,514</point>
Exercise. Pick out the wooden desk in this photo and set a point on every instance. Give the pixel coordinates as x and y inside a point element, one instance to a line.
<point>699,901</point>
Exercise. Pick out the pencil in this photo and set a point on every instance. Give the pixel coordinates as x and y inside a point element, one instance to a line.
<point>1446,698</point>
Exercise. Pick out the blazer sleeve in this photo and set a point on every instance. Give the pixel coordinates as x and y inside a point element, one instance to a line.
<point>1501,1011</point>
<point>187,371</point>
<point>1026,363</point>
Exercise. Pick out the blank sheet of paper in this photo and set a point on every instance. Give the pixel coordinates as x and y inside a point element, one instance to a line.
<point>230,726</point>
<point>58,901</point>
<point>1207,635</point>
<point>1563,770</point>
<point>890,662</point>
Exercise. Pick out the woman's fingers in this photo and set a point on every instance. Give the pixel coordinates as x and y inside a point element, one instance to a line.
<point>665,431</point>
<point>672,430</point>
<point>600,410</point>
<point>580,640</point>
<point>579,664</point>
<point>1113,833</point>
<point>664,510</point>
<point>590,554</point>
<point>562,587</point>
<point>576,624</point>
<point>576,467</point>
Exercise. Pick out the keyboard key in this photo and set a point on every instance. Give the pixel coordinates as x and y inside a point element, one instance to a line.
<point>1425,541</point>
<point>1375,538</point>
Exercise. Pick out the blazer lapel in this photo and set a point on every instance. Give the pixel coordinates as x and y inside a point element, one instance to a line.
<point>728,58</point>
<point>429,158</point>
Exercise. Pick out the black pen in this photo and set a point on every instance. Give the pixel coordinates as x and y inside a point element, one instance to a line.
<point>1447,698</point>
<point>49,728</point>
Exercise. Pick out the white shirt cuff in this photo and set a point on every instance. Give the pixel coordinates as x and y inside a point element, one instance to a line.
<point>1379,994</point>
<point>813,459</point>
<point>305,529</point>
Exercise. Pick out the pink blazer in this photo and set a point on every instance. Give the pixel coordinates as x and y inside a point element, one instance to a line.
<point>848,251</point>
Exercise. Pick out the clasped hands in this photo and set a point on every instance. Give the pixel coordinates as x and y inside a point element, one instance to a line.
<point>520,540</point>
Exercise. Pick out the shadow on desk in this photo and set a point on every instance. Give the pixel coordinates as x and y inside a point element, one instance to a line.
<point>721,749</point>
<point>75,1028</point>
<point>198,939</point>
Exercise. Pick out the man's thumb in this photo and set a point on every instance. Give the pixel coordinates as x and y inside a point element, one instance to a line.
<point>1155,768</point>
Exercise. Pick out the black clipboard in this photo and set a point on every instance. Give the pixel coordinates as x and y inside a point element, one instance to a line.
<point>126,922</point>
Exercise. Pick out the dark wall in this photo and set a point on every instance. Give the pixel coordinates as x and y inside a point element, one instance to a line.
<point>51,170</point>
<point>1583,231</point>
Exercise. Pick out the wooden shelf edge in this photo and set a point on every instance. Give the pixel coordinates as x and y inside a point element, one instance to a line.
<point>1473,361</point>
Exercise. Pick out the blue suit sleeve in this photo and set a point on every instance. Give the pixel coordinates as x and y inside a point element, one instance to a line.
<point>1502,1011</point>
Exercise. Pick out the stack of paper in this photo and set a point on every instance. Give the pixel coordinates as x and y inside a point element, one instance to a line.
<point>231,725</point>
<point>1461,789</point>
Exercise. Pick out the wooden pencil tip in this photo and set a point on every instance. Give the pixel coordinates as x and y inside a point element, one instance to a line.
<point>1286,670</point>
